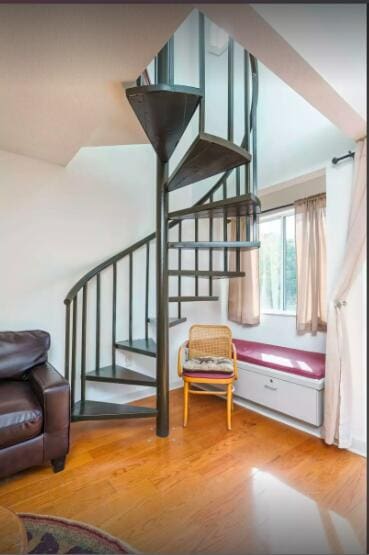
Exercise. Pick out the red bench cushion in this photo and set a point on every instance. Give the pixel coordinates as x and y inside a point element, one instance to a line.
<point>294,361</point>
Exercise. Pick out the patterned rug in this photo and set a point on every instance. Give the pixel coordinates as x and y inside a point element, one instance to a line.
<point>49,534</point>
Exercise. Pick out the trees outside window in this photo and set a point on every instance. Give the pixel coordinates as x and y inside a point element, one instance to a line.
<point>278,263</point>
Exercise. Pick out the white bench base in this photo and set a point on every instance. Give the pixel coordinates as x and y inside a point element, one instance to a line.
<point>288,394</point>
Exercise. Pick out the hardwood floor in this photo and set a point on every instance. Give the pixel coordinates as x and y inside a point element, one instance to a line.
<point>261,488</point>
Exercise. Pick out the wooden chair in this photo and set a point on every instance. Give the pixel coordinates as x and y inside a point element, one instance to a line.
<point>211,359</point>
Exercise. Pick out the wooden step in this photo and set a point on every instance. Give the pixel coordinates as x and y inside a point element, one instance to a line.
<point>142,346</point>
<point>206,274</point>
<point>97,410</point>
<point>172,321</point>
<point>192,299</point>
<point>246,245</point>
<point>120,374</point>
<point>164,112</point>
<point>208,155</point>
<point>231,207</point>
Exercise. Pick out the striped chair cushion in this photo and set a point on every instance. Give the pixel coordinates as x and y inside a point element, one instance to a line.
<point>209,364</point>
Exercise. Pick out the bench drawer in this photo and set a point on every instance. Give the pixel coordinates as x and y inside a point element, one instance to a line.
<point>298,401</point>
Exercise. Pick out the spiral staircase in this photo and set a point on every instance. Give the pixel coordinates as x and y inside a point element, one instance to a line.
<point>164,111</point>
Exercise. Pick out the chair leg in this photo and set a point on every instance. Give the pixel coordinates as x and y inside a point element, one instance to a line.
<point>185,403</point>
<point>229,406</point>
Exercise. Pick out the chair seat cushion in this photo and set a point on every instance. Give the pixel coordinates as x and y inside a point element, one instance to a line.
<point>208,375</point>
<point>20,413</point>
<point>209,364</point>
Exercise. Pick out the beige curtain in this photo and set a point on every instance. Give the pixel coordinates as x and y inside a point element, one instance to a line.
<point>243,292</point>
<point>338,400</point>
<point>310,222</point>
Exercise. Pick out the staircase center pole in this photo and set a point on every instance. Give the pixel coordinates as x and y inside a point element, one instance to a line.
<point>165,75</point>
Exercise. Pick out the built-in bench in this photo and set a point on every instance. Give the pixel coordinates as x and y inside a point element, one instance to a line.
<point>290,381</point>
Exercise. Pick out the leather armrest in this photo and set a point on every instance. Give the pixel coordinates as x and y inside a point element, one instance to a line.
<point>53,393</point>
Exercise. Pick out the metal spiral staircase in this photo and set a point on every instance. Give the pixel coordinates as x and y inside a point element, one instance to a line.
<point>164,111</point>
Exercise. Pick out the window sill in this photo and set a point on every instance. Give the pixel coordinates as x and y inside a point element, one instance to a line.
<point>278,313</point>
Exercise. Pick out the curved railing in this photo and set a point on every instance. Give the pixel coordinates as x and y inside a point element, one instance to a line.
<point>73,301</point>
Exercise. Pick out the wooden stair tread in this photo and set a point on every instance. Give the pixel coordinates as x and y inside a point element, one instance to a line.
<point>164,112</point>
<point>208,155</point>
<point>206,274</point>
<point>192,299</point>
<point>172,321</point>
<point>120,374</point>
<point>230,207</point>
<point>214,245</point>
<point>97,410</point>
<point>142,346</point>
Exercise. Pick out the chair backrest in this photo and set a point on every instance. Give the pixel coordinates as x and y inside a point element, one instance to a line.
<point>208,340</point>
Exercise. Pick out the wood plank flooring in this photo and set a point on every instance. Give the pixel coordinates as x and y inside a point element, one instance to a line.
<point>261,488</point>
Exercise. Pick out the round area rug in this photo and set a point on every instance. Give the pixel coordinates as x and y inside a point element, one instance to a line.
<point>50,534</point>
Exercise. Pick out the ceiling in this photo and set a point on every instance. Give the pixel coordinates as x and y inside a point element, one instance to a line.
<point>61,69</point>
<point>338,48</point>
<point>62,66</point>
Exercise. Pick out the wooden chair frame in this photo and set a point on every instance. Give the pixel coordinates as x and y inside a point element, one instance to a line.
<point>188,380</point>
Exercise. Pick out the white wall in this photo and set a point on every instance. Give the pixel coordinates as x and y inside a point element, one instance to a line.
<point>57,223</point>
<point>293,137</point>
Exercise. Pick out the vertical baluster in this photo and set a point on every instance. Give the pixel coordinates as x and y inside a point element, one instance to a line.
<point>83,343</point>
<point>230,133</point>
<point>211,250</point>
<point>74,349</point>
<point>171,61</point>
<point>156,70</point>
<point>238,254</point>
<point>246,66</point>
<point>67,341</point>
<point>230,89</point>
<point>255,94</point>
<point>179,268</point>
<point>114,318</point>
<point>196,257</point>
<point>97,352</point>
<point>147,290</point>
<point>202,71</point>
<point>225,231</point>
<point>130,292</point>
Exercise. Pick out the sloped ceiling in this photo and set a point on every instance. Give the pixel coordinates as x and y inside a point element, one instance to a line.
<point>301,66</point>
<point>61,69</point>
<point>338,48</point>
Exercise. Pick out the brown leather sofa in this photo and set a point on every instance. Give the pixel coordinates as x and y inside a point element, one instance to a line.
<point>34,404</point>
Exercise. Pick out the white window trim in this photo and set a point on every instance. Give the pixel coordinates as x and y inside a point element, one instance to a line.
<point>273,215</point>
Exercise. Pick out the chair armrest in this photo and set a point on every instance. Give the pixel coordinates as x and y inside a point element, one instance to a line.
<point>53,393</point>
<point>234,356</point>
<point>180,358</point>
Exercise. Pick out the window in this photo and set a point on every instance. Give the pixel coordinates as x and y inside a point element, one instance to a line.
<point>278,263</point>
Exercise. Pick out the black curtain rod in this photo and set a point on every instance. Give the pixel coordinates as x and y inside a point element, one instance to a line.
<point>277,208</point>
<point>349,155</point>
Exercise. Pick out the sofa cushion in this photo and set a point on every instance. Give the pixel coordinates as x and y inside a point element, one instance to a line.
<point>20,413</point>
<point>209,364</point>
<point>20,351</point>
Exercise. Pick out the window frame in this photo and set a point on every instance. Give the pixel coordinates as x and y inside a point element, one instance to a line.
<point>280,214</point>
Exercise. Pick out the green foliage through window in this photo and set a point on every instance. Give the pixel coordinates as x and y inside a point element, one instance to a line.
<point>278,263</point>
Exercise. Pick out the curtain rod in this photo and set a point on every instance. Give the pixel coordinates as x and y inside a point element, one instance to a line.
<point>349,155</point>
<point>277,208</point>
